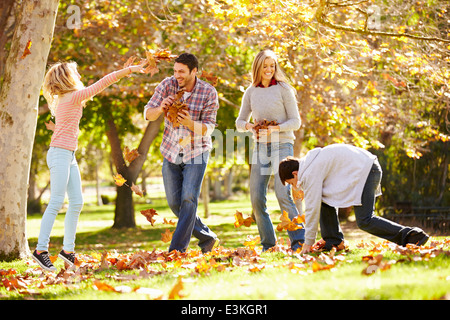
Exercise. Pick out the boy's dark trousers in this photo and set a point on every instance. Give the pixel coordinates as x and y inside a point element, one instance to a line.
<point>365,217</point>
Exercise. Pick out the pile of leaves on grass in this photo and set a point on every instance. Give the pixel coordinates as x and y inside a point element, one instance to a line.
<point>89,268</point>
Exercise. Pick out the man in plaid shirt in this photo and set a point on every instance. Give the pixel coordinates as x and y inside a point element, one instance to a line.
<point>186,148</point>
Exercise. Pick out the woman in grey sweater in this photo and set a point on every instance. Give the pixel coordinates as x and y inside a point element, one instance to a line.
<point>270,98</point>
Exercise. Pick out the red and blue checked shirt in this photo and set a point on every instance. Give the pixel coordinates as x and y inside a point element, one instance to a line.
<point>203,104</point>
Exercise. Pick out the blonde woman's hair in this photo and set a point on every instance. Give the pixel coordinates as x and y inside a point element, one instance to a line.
<point>59,80</point>
<point>257,68</point>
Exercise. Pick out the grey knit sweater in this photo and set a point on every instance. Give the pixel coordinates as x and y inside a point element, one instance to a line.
<point>277,103</point>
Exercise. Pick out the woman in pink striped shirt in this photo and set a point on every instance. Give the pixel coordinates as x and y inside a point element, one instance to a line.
<point>66,97</point>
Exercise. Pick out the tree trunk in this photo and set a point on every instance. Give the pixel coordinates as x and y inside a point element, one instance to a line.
<point>205,195</point>
<point>19,97</point>
<point>124,212</point>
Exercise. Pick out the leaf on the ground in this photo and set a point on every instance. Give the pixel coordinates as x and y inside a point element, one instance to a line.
<point>252,241</point>
<point>177,290</point>
<point>101,286</point>
<point>256,268</point>
<point>375,263</point>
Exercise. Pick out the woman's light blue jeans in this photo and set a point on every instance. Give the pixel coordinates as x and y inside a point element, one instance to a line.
<point>265,162</point>
<point>182,184</point>
<point>64,177</point>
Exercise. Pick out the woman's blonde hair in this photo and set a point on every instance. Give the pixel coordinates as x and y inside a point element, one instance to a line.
<point>257,67</point>
<point>59,80</point>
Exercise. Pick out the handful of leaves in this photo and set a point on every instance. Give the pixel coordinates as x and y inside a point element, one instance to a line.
<point>263,125</point>
<point>171,112</point>
<point>152,57</point>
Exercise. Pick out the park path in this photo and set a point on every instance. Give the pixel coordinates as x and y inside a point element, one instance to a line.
<point>352,232</point>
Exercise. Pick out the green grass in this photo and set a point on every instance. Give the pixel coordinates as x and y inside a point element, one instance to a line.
<point>406,279</point>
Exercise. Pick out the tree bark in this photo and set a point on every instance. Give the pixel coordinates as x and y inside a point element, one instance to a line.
<point>124,211</point>
<point>19,98</point>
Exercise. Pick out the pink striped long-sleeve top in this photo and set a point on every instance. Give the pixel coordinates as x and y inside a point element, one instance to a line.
<point>69,112</point>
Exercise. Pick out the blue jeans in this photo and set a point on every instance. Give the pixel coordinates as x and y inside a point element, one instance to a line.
<point>265,162</point>
<point>365,217</point>
<point>64,177</point>
<point>182,184</point>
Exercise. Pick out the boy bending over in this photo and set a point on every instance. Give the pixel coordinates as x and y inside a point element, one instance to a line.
<point>341,176</point>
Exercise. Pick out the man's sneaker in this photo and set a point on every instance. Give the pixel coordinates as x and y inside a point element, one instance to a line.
<point>68,258</point>
<point>417,236</point>
<point>211,245</point>
<point>43,260</point>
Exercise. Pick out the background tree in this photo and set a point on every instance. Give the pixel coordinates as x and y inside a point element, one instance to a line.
<point>21,82</point>
<point>381,86</point>
<point>370,73</point>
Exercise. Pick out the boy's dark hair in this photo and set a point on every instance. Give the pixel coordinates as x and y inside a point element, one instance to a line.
<point>188,59</point>
<point>286,167</point>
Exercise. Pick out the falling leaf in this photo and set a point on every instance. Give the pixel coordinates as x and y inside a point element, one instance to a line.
<point>136,189</point>
<point>166,236</point>
<point>165,221</point>
<point>27,50</point>
<point>299,219</point>
<point>209,77</point>
<point>130,155</point>
<point>287,224</point>
<point>152,68</point>
<point>119,180</point>
<point>298,194</point>
<point>149,213</point>
<point>163,54</point>
<point>241,221</point>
